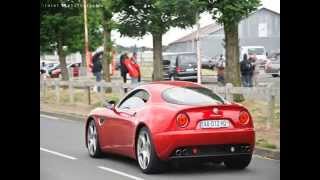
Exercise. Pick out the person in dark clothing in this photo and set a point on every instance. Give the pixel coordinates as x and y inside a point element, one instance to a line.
<point>97,68</point>
<point>221,64</point>
<point>246,69</point>
<point>43,68</point>
<point>123,68</point>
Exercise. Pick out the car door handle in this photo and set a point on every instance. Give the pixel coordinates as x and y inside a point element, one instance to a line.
<point>132,114</point>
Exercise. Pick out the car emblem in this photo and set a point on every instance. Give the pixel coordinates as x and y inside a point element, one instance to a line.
<point>215,110</point>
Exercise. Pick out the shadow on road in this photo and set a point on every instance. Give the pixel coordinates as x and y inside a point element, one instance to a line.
<point>200,168</point>
<point>180,168</point>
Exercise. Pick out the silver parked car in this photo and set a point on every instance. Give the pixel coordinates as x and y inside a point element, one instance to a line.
<point>273,66</point>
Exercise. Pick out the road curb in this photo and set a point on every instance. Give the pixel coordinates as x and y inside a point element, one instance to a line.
<point>264,152</point>
<point>267,153</point>
<point>70,116</point>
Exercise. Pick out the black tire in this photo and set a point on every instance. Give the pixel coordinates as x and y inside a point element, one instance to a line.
<point>238,162</point>
<point>154,165</point>
<point>97,151</point>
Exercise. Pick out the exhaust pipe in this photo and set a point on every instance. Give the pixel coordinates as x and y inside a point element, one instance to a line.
<point>184,152</point>
<point>178,152</point>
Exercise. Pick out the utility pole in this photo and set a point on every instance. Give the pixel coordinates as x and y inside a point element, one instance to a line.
<point>86,41</point>
<point>198,50</point>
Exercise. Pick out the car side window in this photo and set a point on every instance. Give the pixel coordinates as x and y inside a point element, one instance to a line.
<point>136,99</point>
<point>173,61</point>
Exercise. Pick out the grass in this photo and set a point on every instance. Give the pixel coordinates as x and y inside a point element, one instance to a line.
<point>208,72</point>
<point>259,111</point>
<point>80,97</point>
<point>264,143</point>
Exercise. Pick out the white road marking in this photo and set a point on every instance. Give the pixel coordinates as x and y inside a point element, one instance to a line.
<point>266,158</point>
<point>120,173</point>
<point>50,117</point>
<point>57,153</point>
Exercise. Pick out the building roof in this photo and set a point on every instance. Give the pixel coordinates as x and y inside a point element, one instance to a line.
<point>202,32</point>
<point>209,29</point>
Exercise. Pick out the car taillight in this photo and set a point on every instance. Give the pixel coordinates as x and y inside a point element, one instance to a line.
<point>179,69</point>
<point>182,120</point>
<point>244,117</point>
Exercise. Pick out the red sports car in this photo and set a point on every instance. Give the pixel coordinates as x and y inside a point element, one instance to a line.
<point>163,121</point>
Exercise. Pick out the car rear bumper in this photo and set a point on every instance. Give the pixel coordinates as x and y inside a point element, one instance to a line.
<point>167,143</point>
<point>272,71</point>
<point>183,78</point>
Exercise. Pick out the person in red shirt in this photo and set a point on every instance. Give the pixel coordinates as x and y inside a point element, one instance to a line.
<point>133,69</point>
<point>135,59</point>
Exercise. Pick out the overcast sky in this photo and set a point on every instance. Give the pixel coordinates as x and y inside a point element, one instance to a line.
<point>176,33</point>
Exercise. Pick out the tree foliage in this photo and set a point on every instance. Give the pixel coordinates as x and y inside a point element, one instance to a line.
<point>62,29</point>
<point>59,29</point>
<point>228,12</point>
<point>137,18</point>
<point>59,22</point>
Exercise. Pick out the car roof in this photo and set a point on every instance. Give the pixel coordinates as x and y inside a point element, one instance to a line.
<point>173,84</point>
<point>177,53</point>
<point>247,47</point>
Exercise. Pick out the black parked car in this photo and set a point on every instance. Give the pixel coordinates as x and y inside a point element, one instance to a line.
<point>183,66</point>
<point>166,69</point>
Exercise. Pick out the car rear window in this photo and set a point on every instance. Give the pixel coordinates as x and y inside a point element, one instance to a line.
<point>187,59</point>
<point>191,96</point>
<point>257,51</point>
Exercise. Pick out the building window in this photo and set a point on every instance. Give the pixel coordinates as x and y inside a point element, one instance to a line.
<point>263,30</point>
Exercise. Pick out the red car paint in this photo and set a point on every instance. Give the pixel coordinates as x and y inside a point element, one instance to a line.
<point>117,129</point>
<point>75,72</point>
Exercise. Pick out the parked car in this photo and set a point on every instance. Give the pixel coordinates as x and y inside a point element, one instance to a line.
<point>52,68</point>
<point>183,66</point>
<point>207,63</point>
<point>172,120</point>
<point>57,72</point>
<point>165,70</point>
<point>48,66</point>
<point>259,51</point>
<point>273,66</point>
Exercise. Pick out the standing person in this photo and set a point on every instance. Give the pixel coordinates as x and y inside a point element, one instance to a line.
<point>97,68</point>
<point>220,67</point>
<point>134,58</point>
<point>255,73</point>
<point>43,68</point>
<point>133,69</point>
<point>246,69</point>
<point>123,68</point>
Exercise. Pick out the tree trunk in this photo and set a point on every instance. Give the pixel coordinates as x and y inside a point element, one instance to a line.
<point>83,63</point>
<point>157,57</point>
<point>62,60</point>
<point>83,58</point>
<point>106,53</point>
<point>232,71</point>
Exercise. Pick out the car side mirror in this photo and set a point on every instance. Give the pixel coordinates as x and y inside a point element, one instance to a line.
<point>110,104</point>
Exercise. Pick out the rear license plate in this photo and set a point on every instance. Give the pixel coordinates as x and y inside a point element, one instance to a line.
<point>214,124</point>
<point>188,70</point>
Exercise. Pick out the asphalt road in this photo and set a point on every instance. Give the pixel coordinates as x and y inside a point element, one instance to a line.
<point>63,156</point>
